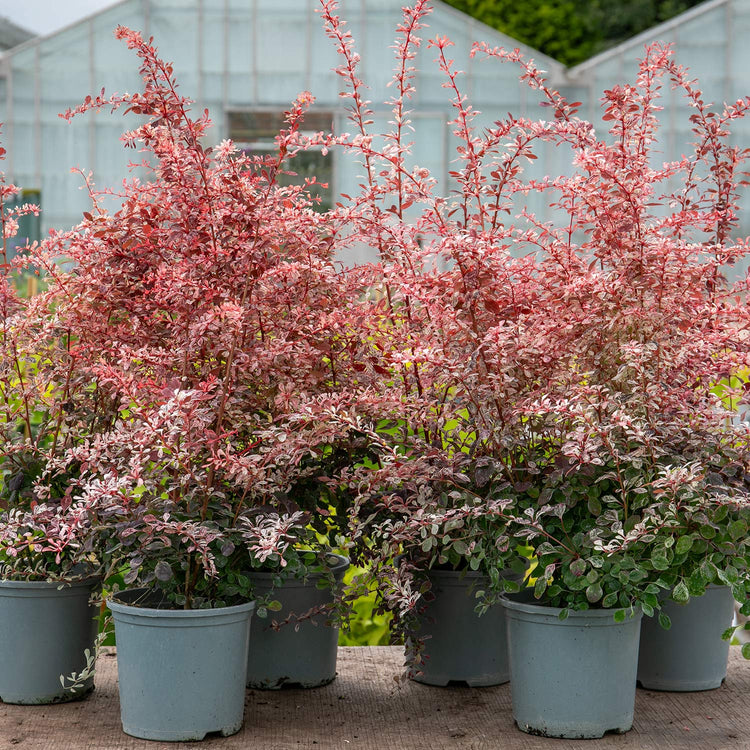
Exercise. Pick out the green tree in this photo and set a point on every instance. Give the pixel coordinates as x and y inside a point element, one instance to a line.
<point>572,30</point>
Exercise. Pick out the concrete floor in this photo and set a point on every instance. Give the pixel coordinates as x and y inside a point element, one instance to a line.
<point>366,709</point>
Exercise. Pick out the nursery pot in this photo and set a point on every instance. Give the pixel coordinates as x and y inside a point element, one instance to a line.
<point>181,672</point>
<point>459,644</point>
<point>572,678</point>
<point>691,655</point>
<point>45,630</point>
<point>297,654</point>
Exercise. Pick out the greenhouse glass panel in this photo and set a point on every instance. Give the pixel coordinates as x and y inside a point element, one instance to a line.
<point>175,28</point>
<point>239,55</point>
<point>64,67</point>
<point>115,67</point>
<point>213,36</point>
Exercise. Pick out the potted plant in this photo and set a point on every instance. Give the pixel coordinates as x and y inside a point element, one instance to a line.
<point>431,517</point>
<point>686,647</point>
<point>294,640</point>
<point>206,308</point>
<point>50,562</point>
<point>456,630</point>
<point>49,582</point>
<point>577,355</point>
<point>646,492</point>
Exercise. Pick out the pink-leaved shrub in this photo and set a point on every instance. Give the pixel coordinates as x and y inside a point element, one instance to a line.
<point>208,310</point>
<point>493,383</point>
<point>570,384</point>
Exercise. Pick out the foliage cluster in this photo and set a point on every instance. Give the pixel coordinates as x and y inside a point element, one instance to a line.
<point>200,316</point>
<point>218,391</point>
<point>556,375</point>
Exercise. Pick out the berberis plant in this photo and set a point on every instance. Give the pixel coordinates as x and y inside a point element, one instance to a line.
<point>555,374</point>
<point>648,491</point>
<point>44,533</point>
<point>207,307</point>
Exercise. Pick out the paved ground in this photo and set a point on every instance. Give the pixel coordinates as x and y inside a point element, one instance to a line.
<point>365,709</point>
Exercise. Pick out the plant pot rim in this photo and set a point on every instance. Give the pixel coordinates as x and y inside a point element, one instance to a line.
<point>123,607</point>
<point>520,605</point>
<point>61,584</point>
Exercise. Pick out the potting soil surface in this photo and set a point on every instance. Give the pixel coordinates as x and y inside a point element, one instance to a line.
<point>368,708</point>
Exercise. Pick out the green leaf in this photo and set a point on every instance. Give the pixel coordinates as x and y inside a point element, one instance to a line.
<point>719,513</point>
<point>461,547</point>
<point>728,634</point>
<point>610,600</point>
<point>510,587</point>
<point>684,543</point>
<point>637,575</point>
<point>665,621</point>
<point>680,593</point>
<point>722,576</point>
<point>620,615</point>
<point>707,532</point>
<point>708,569</point>
<point>594,593</point>
<point>746,650</point>
<point>578,567</point>
<point>563,614</point>
<point>737,529</point>
<point>731,573</point>
<point>595,506</point>
<point>659,559</point>
<point>274,606</point>
<point>696,583</point>
<point>540,587</point>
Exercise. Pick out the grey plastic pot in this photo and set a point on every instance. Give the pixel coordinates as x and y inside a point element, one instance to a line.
<point>459,644</point>
<point>45,629</point>
<point>181,672</point>
<point>572,678</point>
<point>297,654</point>
<point>691,655</point>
